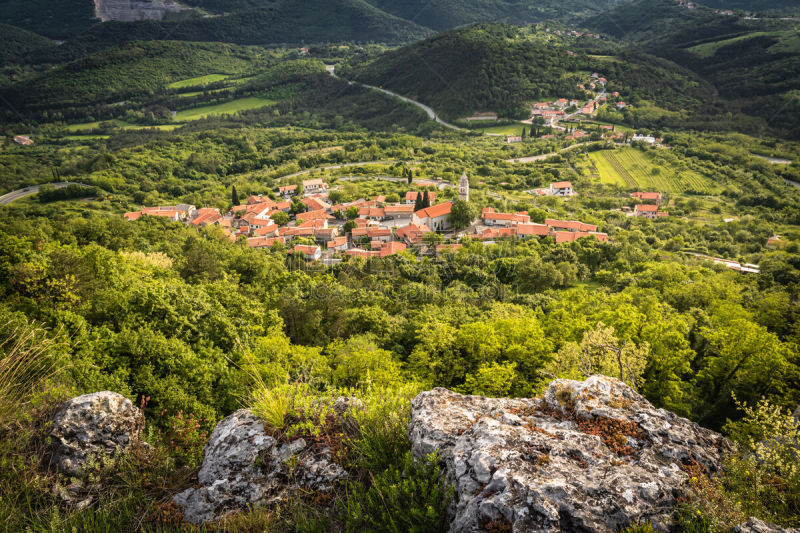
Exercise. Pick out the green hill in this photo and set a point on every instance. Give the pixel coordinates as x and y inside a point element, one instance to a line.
<point>16,43</point>
<point>500,68</point>
<point>132,69</point>
<point>273,22</point>
<point>58,19</point>
<point>752,63</point>
<point>446,14</point>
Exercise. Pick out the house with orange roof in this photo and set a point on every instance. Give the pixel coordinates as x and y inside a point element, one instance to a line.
<point>313,215</point>
<point>391,248</point>
<point>366,254</point>
<point>338,244</point>
<point>648,211</point>
<point>267,231</point>
<point>569,225</point>
<point>648,196</point>
<point>411,196</point>
<point>561,188</point>
<point>264,242</point>
<point>372,213</point>
<point>314,186</point>
<point>287,191</point>
<point>492,218</point>
<point>412,234</point>
<point>398,212</point>
<point>525,231</point>
<point>435,217</point>
<point>372,233</point>
<point>206,216</point>
<point>309,253</point>
<point>315,204</point>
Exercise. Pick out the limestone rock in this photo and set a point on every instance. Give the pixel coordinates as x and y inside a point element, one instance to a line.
<point>245,466</point>
<point>589,456</point>
<point>93,425</point>
<point>754,525</point>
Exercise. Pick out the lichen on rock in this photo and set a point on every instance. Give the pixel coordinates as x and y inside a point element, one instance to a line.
<point>245,465</point>
<point>588,456</point>
<point>94,425</point>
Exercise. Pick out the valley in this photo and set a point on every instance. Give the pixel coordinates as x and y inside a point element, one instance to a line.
<point>371,265</point>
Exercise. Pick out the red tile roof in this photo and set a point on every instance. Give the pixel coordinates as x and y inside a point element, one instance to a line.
<point>313,215</point>
<point>263,242</point>
<point>647,195</point>
<point>411,196</point>
<point>435,211</point>
<point>391,248</point>
<point>561,185</point>
<point>573,225</point>
<point>532,229</point>
<point>412,233</point>
<point>646,208</point>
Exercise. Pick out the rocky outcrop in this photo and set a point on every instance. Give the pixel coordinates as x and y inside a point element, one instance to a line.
<point>133,10</point>
<point>589,456</point>
<point>245,466</point>
<point>754,525</point>
<point>92,426</point>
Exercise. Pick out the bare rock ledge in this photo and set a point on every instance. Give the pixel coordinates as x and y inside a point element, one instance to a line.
<point>590,456</point>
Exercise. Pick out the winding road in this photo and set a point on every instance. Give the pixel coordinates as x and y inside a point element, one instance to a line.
<point>430,112</point>
<point>33,189</point>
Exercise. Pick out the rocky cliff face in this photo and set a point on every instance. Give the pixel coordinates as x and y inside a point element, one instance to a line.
<point>589,456</point>
<point>132,10</point>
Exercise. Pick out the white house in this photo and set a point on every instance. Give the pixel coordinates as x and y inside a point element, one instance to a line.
<point>561,188</point>
<point>314,186</point>
<point>435,217</point>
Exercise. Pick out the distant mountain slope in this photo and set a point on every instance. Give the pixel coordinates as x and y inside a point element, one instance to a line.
<point>752,63</point>
<point>131,69</point>
<point>16,43</point>
<point>446,14</point>
<point>57,19</point>
<point>263,22</point>
<point>754,5</point>
<point>494,67</point>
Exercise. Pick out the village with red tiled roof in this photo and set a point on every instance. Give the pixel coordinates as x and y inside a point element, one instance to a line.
<point>379,229</point>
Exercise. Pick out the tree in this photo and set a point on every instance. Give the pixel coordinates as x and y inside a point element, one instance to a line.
<point>234,196</point>
<point>432,238</point>
<point>426,201</point>
<point>410,176</point>
<point>600,352</point>
<point>523,132</point>
<point>280,218</point>
<point>462,214</point>
<point>418,202</point>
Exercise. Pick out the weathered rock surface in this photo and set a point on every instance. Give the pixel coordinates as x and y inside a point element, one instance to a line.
<point>245,466</point>
<point>754,525</point>
<point>133,10</point>
<point>93,425</point>
<point>589,456</point>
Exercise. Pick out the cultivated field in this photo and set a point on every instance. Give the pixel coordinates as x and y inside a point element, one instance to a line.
<point>200,80</point>
<point>233,106</point>
<point>634,169</point>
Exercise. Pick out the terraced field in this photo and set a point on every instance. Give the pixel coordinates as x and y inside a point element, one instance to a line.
<point>635,169</point>
<point>241,104</point>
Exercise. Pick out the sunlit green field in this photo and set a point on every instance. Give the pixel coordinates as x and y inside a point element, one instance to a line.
<point>635,169</point>
<point>241,104</point>
<point>199,80</point>
<point>508,129</point>
<point>88,126</point>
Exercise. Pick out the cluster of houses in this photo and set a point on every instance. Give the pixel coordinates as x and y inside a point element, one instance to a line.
<point>380,229</point>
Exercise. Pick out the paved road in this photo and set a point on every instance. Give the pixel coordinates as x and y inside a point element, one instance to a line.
<point>33,189</point>
<point>430,112</point>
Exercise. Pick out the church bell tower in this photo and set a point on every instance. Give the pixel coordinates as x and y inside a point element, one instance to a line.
<point>463,188</point>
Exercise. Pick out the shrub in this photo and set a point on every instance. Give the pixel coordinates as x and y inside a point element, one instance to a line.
<point>409,497</point>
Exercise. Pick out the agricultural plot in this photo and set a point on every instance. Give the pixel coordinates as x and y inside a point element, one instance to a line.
<point>241,104</point>
<point>199,80</point>
<point>635,169</point>
<point>507,129</point>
